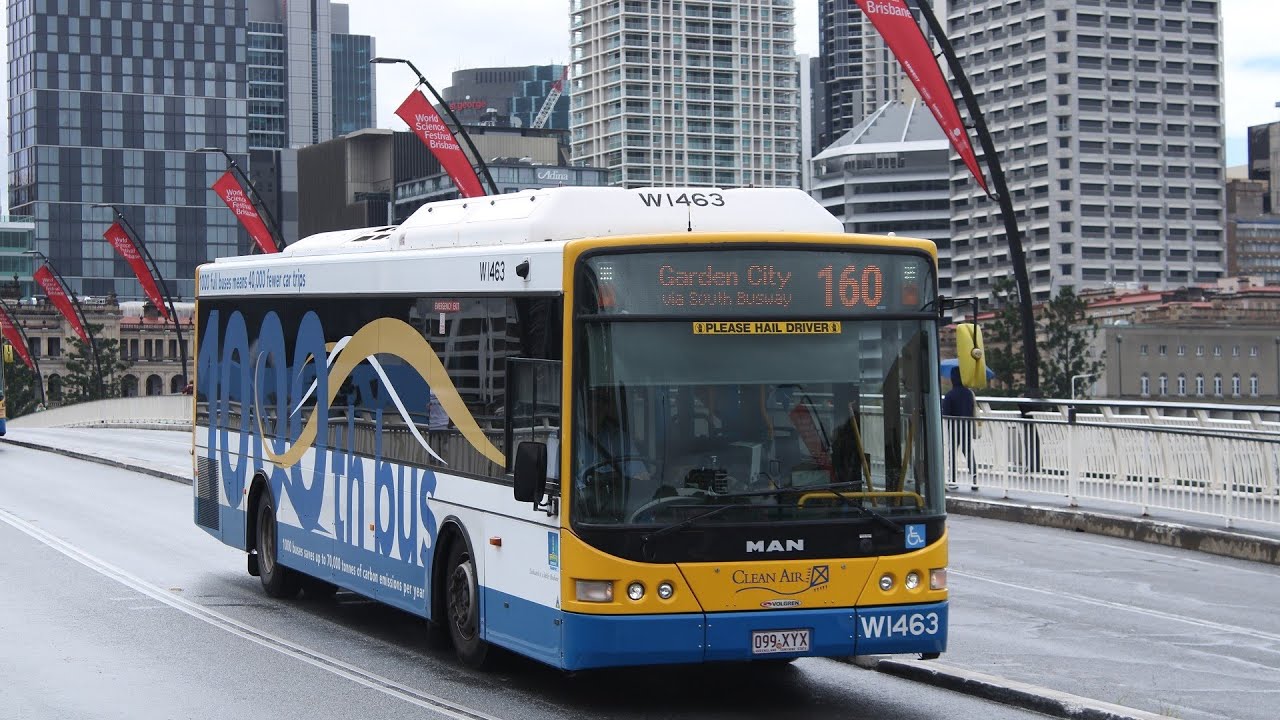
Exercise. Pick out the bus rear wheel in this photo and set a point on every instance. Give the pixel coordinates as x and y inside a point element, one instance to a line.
<point>462,605</point>
<point>278,581</point>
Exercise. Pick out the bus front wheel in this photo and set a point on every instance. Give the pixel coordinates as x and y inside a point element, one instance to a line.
<point>462,602</point>
<point>278,581</point>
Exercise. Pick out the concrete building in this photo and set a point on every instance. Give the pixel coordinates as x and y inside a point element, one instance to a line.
<point>386,175</point>
<point>1108,118</point>
<point>1215,342</point>
<point>507,96</point>
<point>686,93</point>
<point>890,174</point>
<point>1253,236</point>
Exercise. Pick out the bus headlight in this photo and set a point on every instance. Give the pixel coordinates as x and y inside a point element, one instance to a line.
<point>666,590</point>
<point>594,590</point>
<point>938,579</point>
<point>886,582</point>
<point>912,580</point>
<point>635,590</point>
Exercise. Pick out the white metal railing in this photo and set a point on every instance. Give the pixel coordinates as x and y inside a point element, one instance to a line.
<point>1232,474</point>
<point>154,410</point>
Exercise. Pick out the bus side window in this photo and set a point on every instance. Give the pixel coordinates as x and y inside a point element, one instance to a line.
<point>533,407</point>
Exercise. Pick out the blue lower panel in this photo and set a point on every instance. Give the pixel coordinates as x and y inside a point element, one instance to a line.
<point>729,634</point>
<point>612,640</point>
<point>523,626</point>
<point>902,629</point>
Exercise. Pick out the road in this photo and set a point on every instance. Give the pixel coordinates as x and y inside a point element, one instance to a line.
<point>114,605</point>
<point>1166,631</point>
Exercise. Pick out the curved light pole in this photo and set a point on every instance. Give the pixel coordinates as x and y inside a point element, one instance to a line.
<point>84,319</point>
<point>493,187</point>
<point>35,356</point>
<point>262,204</point>
<point>136,239</point>
<point>1013,236</point>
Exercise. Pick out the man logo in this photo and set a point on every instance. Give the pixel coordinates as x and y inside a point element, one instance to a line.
<point>755,546</point>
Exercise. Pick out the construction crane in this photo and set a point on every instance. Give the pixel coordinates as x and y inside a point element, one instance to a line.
<point>557,88</point>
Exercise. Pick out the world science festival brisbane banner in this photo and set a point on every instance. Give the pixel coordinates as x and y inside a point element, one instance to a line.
<point>902,34</point>
<point>228,188</point>
<point>431,130</point>
<point>123,244</point>
<point>58,296</point>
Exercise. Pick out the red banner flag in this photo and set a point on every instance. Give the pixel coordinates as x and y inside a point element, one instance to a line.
<point>902,34</point>
<point>123,244</point>
<point>431,130</point>
<point>9,330</point>
<point>228,188</point>
<point>58,296</point>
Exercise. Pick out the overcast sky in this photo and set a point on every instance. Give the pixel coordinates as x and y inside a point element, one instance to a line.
<point>495,33</point>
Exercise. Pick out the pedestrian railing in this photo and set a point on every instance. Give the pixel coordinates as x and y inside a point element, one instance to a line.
<point>1230,474</point>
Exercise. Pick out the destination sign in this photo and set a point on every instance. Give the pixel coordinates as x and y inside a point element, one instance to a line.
<point>768,327</point>
<point>759,283</point>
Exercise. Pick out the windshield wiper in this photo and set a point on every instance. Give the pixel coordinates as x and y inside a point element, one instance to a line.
<point>673,527</point>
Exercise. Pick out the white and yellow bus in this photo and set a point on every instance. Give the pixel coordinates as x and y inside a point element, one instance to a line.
<point>594,426</point>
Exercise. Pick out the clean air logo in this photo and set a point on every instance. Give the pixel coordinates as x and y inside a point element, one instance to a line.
<point>754,546</point>
<point>881,8</point>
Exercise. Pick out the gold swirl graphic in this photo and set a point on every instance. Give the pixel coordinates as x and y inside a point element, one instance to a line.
<point>389,336</point>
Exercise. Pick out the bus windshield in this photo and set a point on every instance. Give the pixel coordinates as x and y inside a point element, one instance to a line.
<point>801,412</point>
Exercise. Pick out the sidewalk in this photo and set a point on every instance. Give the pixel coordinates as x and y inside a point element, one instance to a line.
<point>1254,541</point>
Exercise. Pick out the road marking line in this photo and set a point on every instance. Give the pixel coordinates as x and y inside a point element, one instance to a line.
<point>324,662</point>
<point>1260,635</point>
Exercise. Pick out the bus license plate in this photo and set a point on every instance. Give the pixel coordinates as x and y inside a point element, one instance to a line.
<point>766,642</point>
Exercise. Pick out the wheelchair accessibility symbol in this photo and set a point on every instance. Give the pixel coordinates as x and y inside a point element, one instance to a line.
<point>915,536</point>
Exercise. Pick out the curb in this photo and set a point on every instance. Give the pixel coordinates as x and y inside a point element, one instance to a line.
<point>100,460</point>
<point>1006,692</point>
<point>1237,545</point>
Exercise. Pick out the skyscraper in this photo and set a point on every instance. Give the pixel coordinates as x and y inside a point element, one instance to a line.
<point>1108,118</point>
<point>686,92</point>
<point>105,105</point>
<point>507,96</point>
<point>108,103</point>
<point>857,74</point>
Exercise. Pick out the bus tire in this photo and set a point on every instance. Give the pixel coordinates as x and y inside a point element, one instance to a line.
<point>462,606</point>
<point>278,581</point>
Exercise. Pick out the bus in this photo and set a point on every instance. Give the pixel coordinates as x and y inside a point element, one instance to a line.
<point>593,426</point>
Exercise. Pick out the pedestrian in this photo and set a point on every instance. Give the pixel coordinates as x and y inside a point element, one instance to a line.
<point>959,408</point>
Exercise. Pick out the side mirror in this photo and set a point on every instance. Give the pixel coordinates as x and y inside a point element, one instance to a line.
<point>531,472</point>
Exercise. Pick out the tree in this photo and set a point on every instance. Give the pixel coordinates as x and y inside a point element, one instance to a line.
<point>1068,336</point>
<point>81,381</point>
<point>20,392</point>
<point>1002,339</point>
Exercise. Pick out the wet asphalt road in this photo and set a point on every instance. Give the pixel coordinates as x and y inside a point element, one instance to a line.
<point>114,605</point>
<point>153,618</point>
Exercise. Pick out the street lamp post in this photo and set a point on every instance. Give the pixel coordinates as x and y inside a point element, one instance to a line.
<point>235,168</point>
<point>84,319</point>
<point>493,187</point>
<point>1119,366</point>
<point>136,239</point>
<point>35,356</point>
<point>1074,378</point>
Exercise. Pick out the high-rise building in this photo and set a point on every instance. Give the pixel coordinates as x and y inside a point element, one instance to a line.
<point>309,79</point>
<point>109,103</point>
<point>105,106</point>
<point>686,92</point>
<point>1264,157</point>
<point>889,174</point>
<point>508,96</point>
<point>1108,120</point>
<point>857,73</point>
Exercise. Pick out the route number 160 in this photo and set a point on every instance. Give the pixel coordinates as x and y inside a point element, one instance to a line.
<point>853,288</point>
